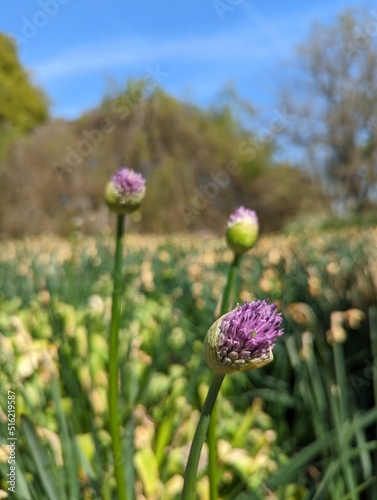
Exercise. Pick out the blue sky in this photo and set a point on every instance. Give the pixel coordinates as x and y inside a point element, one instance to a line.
<point>77,50</point>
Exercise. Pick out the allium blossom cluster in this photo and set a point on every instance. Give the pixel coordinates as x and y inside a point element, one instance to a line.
<point>128,182</point>
<point>125,191</point>
<point>243,214</point>
<point>243,338</point>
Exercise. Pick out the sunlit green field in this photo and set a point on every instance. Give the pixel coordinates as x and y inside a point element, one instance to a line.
<point>302,427</point>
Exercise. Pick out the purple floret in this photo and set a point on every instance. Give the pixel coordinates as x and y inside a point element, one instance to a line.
<point>242,214</point>
<point>248,332</point>
<point>128,182</point>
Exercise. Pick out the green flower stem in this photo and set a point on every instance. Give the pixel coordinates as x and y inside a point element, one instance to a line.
<point>113,365</point>
<point>225,303</point>
<point>211,434</point>
<point>200,433</point>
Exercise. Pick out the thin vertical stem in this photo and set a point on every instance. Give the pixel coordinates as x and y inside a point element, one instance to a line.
<point>200,433</point>
<point>343,452</point>
<point>211,434</point>
<point>340,415</point>
<point>341,379</point>
<point>113,365</point>
<point>225,303</point>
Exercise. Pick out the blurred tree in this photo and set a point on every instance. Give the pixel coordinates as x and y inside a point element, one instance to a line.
<point>199,165</point>
<point>334,107</point>
<point>22,105</point>
<point>290,193</point>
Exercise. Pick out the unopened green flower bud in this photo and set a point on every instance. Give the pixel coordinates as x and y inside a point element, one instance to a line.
<point>125,191</point>
<point>243,338</point>
<point>242,230</point>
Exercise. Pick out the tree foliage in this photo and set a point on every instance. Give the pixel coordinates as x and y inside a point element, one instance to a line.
<point>335,107</point>
<point>199,165</point>
<point>22,105</point>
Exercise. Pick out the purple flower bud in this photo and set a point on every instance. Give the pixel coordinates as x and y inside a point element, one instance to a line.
<point>125,191</point>
<point>243,338</point>
<point>128,182</point>
<point>242,214</point>
<point>242,230</point>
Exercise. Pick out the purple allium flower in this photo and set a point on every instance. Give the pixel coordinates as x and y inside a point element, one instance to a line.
<point>128,182</point>
<point>242,230</point>
<point>243,338</point>
<point>125,191</point>
<point>243,214</point>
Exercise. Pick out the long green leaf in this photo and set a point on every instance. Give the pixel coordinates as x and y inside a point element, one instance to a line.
<point>365,458</point>
<point>70,460</point>
<point>359,488</point>
<point>326,480</point>
<point>365,419</point>
<point>163,435</point>
<point>23,489</point>
<point>303,458</point>
<point>373,343</point>
<point>41,458</point>
<point>342,445</point>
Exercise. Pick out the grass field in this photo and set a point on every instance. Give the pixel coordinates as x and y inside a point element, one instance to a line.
<point>302,427</point>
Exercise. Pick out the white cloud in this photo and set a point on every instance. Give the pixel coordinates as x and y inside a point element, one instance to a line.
<point>242,47</point>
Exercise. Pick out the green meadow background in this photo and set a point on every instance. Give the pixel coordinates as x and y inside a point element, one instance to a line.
<point>303,427</point>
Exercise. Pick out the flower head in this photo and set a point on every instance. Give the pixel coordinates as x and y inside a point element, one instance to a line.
<point>242,230</point>
<point>242,214</point>
<point>125,191</point>
<point>243,338</point>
